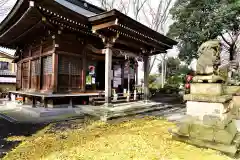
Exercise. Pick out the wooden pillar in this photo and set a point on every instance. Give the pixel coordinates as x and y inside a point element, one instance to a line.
<point>84,68</point>
<point>122,75</point>
<point>20,75</point>
<point>146,77</point>
<point>136,74</point>
<point>29,73</point>
<point>9,96</point>
<point>33,102</point>
<point>40,69</point>
<point>108,72</point>
<point>70,103</point>
<point>55,72</point>
<point>128,92</point>
<point>45,102</point>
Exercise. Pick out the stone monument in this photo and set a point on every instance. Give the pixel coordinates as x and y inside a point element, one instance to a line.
<point>209,121</point>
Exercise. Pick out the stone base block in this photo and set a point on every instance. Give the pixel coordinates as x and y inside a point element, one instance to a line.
<point>208,78</point>
<point>197,130</point>
<point>230,90</point>
<point>201,109</point>
<point>207,98</point>
<point>206,89</point>
<point>228,149</point>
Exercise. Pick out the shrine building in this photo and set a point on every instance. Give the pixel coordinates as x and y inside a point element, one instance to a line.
<point>70,51</point>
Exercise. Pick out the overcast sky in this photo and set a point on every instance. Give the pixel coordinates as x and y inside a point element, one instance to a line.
<point>5,8</point>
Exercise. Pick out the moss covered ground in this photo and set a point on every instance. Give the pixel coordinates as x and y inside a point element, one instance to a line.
<point>138,139</point>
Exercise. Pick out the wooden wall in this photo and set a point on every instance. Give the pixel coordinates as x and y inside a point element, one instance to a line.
<point>70,66</point>
<point>69,75</point>
<point>35,69</point>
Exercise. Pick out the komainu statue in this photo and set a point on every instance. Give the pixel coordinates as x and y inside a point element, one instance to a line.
<point>209,57</point>
<point>208,63</point>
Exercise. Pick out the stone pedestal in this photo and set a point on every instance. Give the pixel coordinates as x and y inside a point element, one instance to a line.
<point>206,89</point>
<point>209,121</point>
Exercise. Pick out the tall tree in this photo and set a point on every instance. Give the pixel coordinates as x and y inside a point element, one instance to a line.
<point>197,21</point>
<point>172,65</point>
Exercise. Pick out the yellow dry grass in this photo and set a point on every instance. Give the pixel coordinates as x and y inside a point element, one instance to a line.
<point>140,139</point>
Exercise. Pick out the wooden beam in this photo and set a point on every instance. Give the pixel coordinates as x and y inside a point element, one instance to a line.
<point>37,57</point>
<point>104,25</point>
<point>95,50</point>
<point>68,53</point>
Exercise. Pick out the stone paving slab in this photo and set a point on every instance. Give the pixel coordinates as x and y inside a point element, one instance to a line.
<point>25,113</point>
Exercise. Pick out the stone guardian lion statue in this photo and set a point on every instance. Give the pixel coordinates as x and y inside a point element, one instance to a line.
<point>209,58</point>
<point>207,67</point>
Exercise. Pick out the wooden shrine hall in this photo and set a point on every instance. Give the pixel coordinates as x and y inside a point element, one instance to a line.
<point>70,50</point>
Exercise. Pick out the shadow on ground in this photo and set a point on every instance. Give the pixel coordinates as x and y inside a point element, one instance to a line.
<point>8,129</point>
<point>168,98</point>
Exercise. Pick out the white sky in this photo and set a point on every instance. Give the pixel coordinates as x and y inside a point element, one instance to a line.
<point>6,5</point>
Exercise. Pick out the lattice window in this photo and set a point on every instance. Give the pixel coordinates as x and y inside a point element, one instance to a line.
<point>75,67</point>
<point>70,72</point>
<point>64,63</point>
<point>35,67</point>
<point>47,65</point>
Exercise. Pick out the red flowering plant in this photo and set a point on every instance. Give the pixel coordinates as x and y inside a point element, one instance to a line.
<point>189,78</point>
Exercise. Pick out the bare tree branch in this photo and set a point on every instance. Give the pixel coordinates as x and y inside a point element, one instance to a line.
<point>154,16</point>
<point>225,40</point>
<point>124,7</point>
<point>137,7</point>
